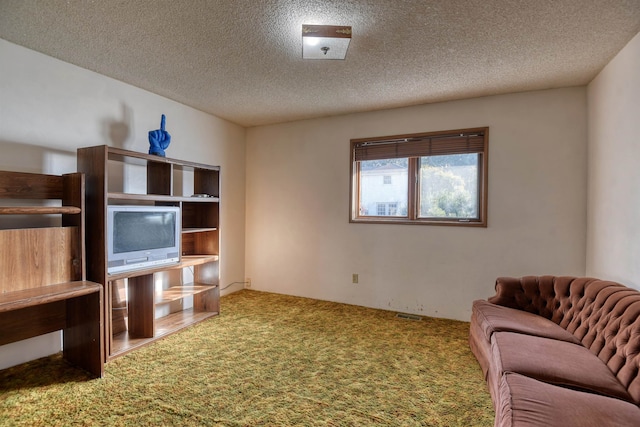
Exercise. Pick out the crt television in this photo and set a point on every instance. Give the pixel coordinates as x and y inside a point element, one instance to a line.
<point>142,237</point>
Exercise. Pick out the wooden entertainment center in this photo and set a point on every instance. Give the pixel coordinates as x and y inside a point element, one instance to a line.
<point>143,305</point>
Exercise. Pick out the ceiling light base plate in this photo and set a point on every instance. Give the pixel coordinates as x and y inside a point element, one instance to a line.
<point>325,41</point>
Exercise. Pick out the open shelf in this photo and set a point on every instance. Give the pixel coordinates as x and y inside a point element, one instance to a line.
<point>39,210</point>
<point>187,261</point>
<point>160,198</point>
<point>123,343</point>
<point>175,293</point>
<point>124,155</point>
<point>45,294</point>
<point>192,260</point>
<point>198,230</point>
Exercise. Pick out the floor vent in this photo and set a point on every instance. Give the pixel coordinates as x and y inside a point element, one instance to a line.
<point>408,316</point>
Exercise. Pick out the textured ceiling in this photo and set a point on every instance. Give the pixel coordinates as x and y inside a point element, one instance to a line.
<point>241,60</point>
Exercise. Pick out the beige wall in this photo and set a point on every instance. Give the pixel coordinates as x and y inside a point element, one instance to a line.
<point>299,240</point>
<point>613,244</point>
<point>49,108</point>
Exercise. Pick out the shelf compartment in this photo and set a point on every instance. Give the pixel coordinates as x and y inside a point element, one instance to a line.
<point>175,293</point>
<point>197,215</point>
<point>187,261</point>
<point>200,243</point>
<point>122,343</point>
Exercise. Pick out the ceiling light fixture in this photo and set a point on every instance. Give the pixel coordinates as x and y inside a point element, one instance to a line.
<point>325,41</point>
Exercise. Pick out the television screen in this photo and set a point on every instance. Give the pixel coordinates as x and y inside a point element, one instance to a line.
<point>142,237</point>
<point>140,231</point>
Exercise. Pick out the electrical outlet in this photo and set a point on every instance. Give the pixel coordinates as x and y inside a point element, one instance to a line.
<point>354,278</point>
<point>247,282</point>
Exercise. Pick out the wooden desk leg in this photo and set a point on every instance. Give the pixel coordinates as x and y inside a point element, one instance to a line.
<point>141,306</point>
<point>83,336</point>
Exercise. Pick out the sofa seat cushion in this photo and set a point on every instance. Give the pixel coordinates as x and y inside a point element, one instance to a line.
<point>528,402</point>
<point>496,318</point>
<point>556,362</point>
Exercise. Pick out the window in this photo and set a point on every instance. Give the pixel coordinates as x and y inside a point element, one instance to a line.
<point>387,209</point>
<point>429,178</point>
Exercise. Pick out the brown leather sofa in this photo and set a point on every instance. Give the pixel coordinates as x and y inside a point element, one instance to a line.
<point>560,351</point>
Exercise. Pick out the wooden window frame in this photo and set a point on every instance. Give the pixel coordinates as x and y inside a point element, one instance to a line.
<point>415,146</point>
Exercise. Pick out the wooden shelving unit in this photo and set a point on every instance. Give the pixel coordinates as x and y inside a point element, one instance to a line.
<point>43,286</point>
<point>142,306</point>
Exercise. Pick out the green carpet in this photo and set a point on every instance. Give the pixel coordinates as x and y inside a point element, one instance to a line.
<point>268,360</point>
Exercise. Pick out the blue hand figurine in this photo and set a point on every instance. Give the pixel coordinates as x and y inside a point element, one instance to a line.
<point>159,139</point>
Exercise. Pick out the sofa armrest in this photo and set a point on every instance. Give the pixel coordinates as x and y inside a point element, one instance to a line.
<point>508,292</point>
<point>535,294</point>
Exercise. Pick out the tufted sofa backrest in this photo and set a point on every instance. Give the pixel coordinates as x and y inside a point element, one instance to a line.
<point>604,315</point>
